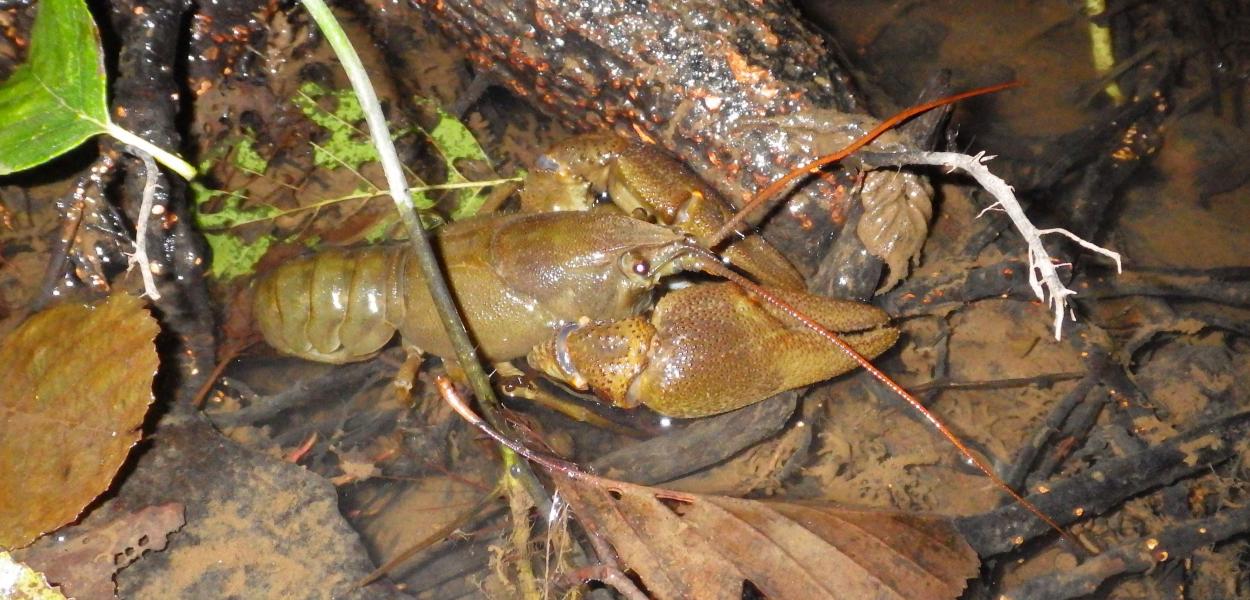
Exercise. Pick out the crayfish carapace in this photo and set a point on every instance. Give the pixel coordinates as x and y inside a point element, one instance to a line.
<point>521,279</point>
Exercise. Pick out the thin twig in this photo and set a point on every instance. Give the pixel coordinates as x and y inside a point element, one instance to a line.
<point>140,258</point>
<point>610,576</point>
<point>1043,380</point>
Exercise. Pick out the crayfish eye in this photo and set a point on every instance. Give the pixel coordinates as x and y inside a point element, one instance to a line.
<point>634,263</point>
<point>642,267</point>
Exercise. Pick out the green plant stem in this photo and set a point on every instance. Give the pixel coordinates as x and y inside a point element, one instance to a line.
<point>374,194</point>
<point>444,304</point>
<point>1100,43</point>
<point>169,159</point>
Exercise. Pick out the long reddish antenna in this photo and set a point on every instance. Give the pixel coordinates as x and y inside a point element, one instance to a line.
<point>773,189</point>
<point>714,267</point>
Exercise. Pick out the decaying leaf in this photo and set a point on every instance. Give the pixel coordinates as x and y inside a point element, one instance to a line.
<point>697,546</point>
<point>77,384</point>
<point>895,223</point>
<point>703,546</point>
<point>897,204</point>
<point>84,563</point>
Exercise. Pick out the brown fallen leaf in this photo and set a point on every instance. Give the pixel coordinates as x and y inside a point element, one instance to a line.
<point>702,546</point>
<point>699,546</point>
<point>77,381</point>
<point>83,564</point>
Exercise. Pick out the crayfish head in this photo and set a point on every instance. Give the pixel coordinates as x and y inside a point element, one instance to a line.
<point>604,357</point>
<point>645,265</point>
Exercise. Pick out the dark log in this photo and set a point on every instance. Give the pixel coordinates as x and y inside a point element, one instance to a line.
<point>1050,427</point>
<point>742,91</point>
<point>145,101</point>
<point>701,444</point>
<point>943,290</point>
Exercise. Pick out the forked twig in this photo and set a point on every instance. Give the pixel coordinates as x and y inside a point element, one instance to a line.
<point>1043,270</point>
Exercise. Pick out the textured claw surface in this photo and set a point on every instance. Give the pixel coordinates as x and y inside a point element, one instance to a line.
<point>606,357</point>
<point>716,348</point>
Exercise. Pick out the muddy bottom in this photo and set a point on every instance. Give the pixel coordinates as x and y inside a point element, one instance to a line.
<point>301,479</point>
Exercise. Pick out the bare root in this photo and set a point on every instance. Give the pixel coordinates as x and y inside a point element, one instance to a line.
<point>1043,270</point>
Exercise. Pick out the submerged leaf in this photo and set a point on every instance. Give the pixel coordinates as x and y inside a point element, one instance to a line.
<point>454,141</point>
<point>348,144</point>
<point>895,224</point>
<point>232,255</point>
<point>77,384</point>
<point>56,99</point>
<point>697,546</point>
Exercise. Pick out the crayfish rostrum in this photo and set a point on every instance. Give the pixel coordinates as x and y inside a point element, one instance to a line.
<point>573,290</point>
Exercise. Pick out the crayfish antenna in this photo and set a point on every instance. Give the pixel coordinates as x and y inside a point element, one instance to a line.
<point>772,191</point>
<point>715,268</point>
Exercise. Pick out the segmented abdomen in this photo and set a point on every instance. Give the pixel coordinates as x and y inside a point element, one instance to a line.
<point>332,307</point>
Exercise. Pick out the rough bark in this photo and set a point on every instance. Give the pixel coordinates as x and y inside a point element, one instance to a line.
<point>742,91</point>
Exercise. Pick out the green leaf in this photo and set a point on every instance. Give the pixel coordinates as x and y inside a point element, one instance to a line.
<point>455,140</point>
<point>349,144</point>
<point>57,99</point>
<point>246,157</point>
<point>233,256</point>
<point>232,214</point>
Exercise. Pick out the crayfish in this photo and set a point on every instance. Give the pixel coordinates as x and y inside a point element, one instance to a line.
<point>571,290</point>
